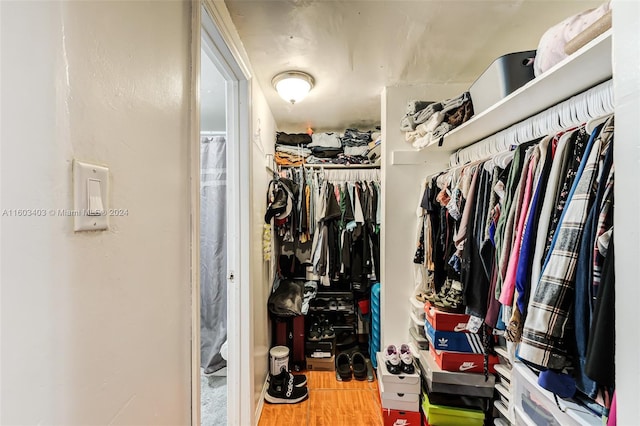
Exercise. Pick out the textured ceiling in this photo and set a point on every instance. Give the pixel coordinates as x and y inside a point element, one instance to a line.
<point>355,48</point>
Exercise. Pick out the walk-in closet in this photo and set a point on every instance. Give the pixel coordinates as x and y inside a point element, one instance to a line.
<point>496,267</point>
<point>312,212</point>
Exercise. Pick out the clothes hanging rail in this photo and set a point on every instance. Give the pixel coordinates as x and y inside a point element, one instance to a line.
<point>336,166</point>
<point>342,174</point>
<point>352,175</point>
<point>213,133</point>
<point>588,105</point>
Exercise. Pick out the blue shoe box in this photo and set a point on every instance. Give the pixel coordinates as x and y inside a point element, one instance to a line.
<point>453,341</point>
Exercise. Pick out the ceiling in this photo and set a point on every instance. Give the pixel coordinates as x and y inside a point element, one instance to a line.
<point>355,48</point>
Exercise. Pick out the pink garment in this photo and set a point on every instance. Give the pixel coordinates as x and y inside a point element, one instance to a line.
<point>613,412</point>
<point>509,284</point>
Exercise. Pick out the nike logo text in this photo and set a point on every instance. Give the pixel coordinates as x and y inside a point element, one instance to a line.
<point>467,366</point>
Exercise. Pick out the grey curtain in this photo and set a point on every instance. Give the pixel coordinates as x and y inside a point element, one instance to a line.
<point>213,252</point>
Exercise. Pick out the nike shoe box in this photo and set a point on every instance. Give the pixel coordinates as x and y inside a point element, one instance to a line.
<point>443,415</point>
<point>453,341</point>
<point>454,382</point>
<point>445,321</point>
<point>463,362</point>
<point>397,383</point>
<point>400,418</point>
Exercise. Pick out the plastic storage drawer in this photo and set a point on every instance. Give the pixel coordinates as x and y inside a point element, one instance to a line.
<point>506,74</point>
<point>538,405</point>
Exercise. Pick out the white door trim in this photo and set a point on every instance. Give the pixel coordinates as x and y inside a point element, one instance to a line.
<point>239,319</point>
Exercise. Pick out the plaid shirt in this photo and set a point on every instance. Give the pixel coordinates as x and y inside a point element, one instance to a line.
<point>543,338</point>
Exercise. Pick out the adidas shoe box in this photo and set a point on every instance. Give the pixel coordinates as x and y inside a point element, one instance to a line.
<point>453,340</point>
<point>398,417</point>
<point>463,362</point>
<point>445,321</point>
<point>454,382</point>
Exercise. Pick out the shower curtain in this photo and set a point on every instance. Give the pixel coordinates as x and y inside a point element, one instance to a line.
<point>213,252</point>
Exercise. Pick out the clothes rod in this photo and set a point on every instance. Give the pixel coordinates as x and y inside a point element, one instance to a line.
<point>212,133</point>
<point>588,105</point>
<point>334,166</point>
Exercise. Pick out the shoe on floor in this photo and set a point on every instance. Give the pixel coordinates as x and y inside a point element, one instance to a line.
<point>299,380</point>
<point>343,366</point>
<point>407,359</point>
<point>359,366</point>
<point>282,389</point>
<point>392,359</point>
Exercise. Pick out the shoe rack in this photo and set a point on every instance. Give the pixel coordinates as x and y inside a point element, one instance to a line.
<point>331,324</point>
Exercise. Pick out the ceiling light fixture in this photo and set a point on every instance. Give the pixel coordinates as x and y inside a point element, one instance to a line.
<point>293,86</point>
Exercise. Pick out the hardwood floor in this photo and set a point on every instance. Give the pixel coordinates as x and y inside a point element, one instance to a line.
<point>330,403</point>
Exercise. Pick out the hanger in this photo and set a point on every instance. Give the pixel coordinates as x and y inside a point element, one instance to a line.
<point>592,124</point>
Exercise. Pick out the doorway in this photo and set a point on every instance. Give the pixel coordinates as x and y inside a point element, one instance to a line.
<point>221,374</point>
<point>213,243</point>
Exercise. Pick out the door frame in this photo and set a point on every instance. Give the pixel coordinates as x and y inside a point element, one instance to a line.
<point>208,22</point>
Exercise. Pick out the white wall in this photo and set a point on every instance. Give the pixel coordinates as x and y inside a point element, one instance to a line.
<point>626,63</point>
<point>263,133</point>
<point>400,197</point>
<point>95,326</point>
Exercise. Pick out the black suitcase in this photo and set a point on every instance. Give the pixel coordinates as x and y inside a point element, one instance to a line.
<point>289,332</point>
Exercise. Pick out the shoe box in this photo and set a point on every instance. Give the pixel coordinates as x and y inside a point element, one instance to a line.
<point>454,382</point>
<point>398,391</point>
<point>418,308</point>
<point>398,417</point>
<point>319,349</point>
<point>418,340</point>
<point>453,340</point>
<point>321,364</point>
<point>464,362</point>
<point>445,321</point>
<point>443,415</point>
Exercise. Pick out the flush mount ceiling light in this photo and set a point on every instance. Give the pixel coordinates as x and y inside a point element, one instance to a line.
<point>292,86</point>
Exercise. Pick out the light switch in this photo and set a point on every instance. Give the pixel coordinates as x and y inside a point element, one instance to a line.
<point>90,197</point>
<point>94,196</point>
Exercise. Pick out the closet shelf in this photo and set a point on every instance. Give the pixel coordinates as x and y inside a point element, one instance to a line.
<point>586,68</point>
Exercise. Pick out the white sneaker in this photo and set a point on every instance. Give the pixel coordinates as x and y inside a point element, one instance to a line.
<point>392,359</point>
<point>407,359</point>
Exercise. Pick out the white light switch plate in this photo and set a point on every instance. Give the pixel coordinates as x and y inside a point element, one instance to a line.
<point>84,217</point>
